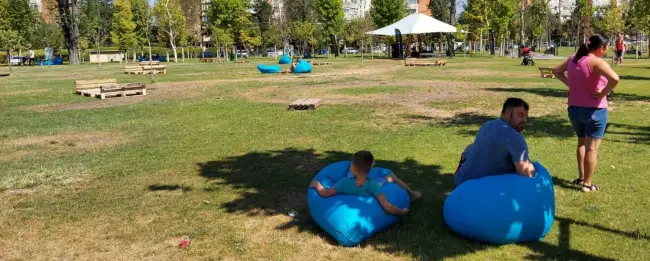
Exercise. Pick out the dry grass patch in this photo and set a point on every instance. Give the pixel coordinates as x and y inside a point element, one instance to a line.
<point>21,148</point>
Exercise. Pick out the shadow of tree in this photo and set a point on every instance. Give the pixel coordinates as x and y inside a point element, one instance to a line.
<point>545,126</point>
<point>169,188</point>
<point>275,183</point>
<point>564,93</point>
<point>634,133</point>
<point>634,78</point>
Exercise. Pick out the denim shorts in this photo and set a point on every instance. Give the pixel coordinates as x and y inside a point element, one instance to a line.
<point>588,122</point>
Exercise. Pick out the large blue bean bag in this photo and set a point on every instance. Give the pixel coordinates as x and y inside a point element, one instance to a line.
<point>303,66</point>
<point>285,59</point>
<point>503,209</point>
<point>352,219</point>
<point>269,68</point>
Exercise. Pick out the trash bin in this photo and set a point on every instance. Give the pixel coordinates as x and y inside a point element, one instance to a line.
<point>231,56</point>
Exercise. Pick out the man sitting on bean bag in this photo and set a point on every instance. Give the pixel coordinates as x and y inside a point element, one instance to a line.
<point>499,147</point>
<point>358,184</point>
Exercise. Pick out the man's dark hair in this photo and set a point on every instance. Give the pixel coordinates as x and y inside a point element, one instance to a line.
<point>514,103</point>
<point>363,160</point>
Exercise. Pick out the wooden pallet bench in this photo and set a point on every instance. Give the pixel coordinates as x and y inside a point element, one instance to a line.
<point>4,74</point>
<point>143,63</point>
<point>321,63</point>
<point>121,90</point>
<point>155,69</point>
<point>133,69</point>
<point>211,60</point>
<point>305,104</point>
<point>242,61</point>
<point>546,72</point>
<point>83,85</point>
<point>415,62</point>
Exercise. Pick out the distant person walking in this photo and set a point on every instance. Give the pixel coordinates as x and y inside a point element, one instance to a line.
<point>589,79</point>
<point>620,48</point>
<point>31,61</point>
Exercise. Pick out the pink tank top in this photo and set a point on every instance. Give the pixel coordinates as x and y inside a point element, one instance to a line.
<point>583,84</point>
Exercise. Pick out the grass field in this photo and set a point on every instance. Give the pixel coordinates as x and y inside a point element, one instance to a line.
<point>212,153</point>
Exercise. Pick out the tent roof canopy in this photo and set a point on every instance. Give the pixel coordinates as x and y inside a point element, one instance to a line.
<point>416,24</point>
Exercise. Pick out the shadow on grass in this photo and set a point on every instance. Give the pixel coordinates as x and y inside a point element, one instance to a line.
<point>634,78</point>
<point>169,188</point>
<point>634,134</point>
<point>563,93</point>
<point>545,126</point>
<point>277,181</point>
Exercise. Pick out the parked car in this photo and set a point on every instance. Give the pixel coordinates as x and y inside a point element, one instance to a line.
<point>274,52</point>
<point>242,53</point>
<point>350,50</point>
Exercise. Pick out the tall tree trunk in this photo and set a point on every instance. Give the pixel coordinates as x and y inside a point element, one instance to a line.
<point>135,55</point>
<point>69,24</point>
<point>452,21</point>
<point>183,52</point>
<point>11,70</point>
<point>171,33</point>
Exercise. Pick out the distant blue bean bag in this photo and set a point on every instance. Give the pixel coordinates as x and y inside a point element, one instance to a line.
<point>352,219</point>
<point>303,66</point>
<point>269,68</point>
<point>285,59</point>
<point>503,209</point>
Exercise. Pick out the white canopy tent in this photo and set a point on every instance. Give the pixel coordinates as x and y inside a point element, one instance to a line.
<point>416,24</point>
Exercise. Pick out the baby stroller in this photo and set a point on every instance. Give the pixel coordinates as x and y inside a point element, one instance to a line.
<point>528,57</point>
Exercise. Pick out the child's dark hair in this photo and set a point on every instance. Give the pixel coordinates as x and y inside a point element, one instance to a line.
<point>595,41</point>
<point>363,160</point>
<point>514,103</point>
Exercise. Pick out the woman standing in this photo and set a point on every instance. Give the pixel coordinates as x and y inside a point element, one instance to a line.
<point>589,79</point>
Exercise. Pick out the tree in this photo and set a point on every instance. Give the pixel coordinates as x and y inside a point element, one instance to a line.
<point>299,10</point>
<point>69,21</point>
<point>123,31</point>
<point>9,40</point>
<point>95,22</point>
<point>141,19</point>
<point>21,21</point>
<point>536,19</point>
<point>331,15</point>
<point>171,24</point>
<point>386,12</point>
<point>581,18</point>
<point>476,16</point>
<point>263,14</point>
<point>304,32</point>
<point>639,14</point>
<point>501,14</point>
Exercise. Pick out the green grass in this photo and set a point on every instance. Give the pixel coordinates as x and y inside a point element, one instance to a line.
<point>127,182</point>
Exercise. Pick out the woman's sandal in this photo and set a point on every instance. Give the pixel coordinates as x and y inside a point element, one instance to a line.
<point>590,188</point>
<point>578,181</point>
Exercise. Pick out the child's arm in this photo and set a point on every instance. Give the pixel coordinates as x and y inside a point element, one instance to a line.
<point>389,208</point>
<point>322,191</point>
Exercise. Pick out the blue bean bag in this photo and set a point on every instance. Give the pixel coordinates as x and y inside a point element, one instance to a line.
<point>503,209</point>
<point>285,59</point>
<point>352,219</point>
<point>303,66</point>
<point>269,68</point>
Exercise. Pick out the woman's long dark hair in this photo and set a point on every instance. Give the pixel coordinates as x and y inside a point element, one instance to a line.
<point>595,41</point>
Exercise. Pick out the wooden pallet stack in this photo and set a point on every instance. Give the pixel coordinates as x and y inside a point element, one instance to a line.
<point>305,104</point>
<point>415,62</point>
<point>145,69</point>
<point>105,88</point>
